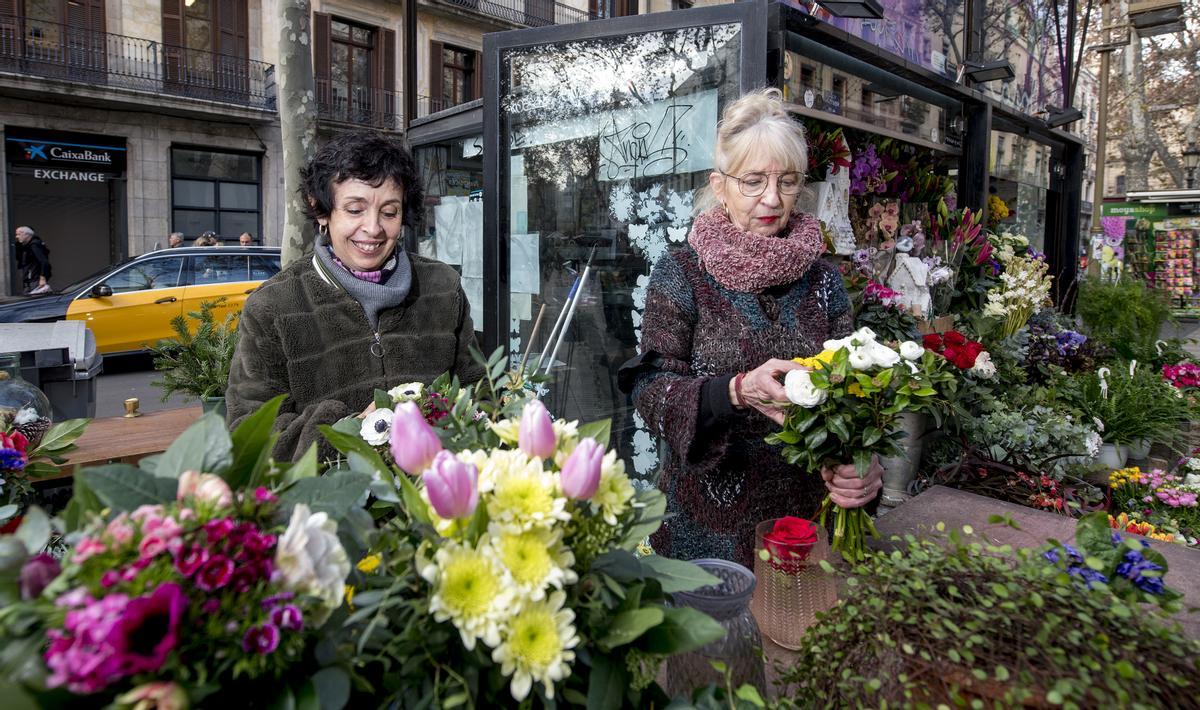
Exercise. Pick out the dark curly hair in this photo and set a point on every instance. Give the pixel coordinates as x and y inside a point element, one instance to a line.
<point>369,156</point>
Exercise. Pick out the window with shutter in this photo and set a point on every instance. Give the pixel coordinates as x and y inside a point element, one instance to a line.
<point>205,46</point>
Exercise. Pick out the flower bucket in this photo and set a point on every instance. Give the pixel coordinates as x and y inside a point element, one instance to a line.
<point>1139,449</point>
<point>1112,456</point>
<point>791,586</point>
<point>899,471</point>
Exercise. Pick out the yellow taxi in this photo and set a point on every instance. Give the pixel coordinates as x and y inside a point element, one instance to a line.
<point>130,305</point>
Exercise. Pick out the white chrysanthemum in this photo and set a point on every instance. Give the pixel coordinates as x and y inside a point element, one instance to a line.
<point>406,392</point>
<point>1193,464</point>
<point>376,428</point>
<point>615,492</point>
<point>537,646</point>
<point>523,495</point>
<point>533,560</point>
<point>469,591</point>
<point>566,438</point>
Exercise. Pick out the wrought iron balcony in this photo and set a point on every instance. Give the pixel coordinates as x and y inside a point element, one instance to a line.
<point>55,51</point>
<point>531,13</point>
<point>360,106</point>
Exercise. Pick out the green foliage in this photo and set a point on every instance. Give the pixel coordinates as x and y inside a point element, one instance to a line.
<point>1138,405</point>
<point>197,364</point>
<point>964,623</point>
<point>1124,315</point>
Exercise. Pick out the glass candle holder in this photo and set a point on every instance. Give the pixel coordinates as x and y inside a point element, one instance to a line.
<point>790,585</point>
<point>740,649</point>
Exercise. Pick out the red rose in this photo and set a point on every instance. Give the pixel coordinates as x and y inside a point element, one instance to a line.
<point>951,354</point>
<point>953,337</point>
<point>789,543</point>
<point>933,342</point>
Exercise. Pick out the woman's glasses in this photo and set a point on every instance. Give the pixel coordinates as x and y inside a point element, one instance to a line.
<point>755,184</point>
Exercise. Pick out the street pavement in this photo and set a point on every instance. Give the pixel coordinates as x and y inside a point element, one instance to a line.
<point>127,376</point>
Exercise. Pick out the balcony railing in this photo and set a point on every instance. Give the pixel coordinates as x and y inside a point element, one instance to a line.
<point>531,13</point>
<point>360,106</point>
<point>55,51</point>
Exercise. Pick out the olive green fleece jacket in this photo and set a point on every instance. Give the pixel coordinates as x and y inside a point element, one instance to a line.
<point>303,335</point>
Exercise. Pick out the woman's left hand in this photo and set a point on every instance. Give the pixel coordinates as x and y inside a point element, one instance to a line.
<point>847,490</point>
<point>370,408</point>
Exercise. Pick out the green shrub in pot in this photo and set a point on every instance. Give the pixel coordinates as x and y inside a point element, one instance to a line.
<point>1133,402</point>
<point>197,363</point>
<point>1125,315</point>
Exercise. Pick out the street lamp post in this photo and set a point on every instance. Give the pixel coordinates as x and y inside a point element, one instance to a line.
<point>1106,49</point>
<point>1191,161</point>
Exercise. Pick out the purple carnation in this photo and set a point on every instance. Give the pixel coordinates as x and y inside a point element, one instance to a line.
<point>190,559</point>
<point>37,574</point>
<point>215,573</point>
<point>261,639</point>
<point>288,617</point>
<point>217,530</point>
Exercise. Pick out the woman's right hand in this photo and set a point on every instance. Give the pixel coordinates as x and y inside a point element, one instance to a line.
<point>762,390</point>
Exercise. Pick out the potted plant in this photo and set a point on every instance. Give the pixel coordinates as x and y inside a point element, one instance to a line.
<point>1133,403</point>
<point>197,363</point>
<point>1125,315</point>
<point>970,624</point>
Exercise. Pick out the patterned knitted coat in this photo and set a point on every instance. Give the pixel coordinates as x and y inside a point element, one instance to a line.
<point>722,481</point>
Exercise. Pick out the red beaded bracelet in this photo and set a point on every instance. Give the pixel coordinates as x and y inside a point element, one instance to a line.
<point>737,389</point>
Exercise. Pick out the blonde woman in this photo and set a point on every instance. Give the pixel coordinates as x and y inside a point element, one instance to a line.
<point>724,316</point>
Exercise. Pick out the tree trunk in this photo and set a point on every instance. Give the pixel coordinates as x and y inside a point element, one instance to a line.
<point>297,121</point>
<point>1136,145</point>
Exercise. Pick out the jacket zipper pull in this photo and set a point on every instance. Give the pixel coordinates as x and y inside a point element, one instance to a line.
<point>377,346</point>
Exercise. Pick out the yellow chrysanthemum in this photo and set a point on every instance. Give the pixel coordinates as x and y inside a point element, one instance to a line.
<point>537,646</point>
<point>856,389</point>
<point>534,560</point>
<point>615,491</point>
<point>469,591</point>
<point>1118,478</point>
<point>508,430</point>
<point>370,563</point>
<point>524,495</point>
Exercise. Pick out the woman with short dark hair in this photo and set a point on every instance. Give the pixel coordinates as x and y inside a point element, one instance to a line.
<point>358,314</point>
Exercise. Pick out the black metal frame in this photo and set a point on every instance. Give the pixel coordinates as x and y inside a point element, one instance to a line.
<point>751,14</point>
<point>172,176</point>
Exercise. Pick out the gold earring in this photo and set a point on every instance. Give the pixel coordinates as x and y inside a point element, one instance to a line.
<point>726,208</point>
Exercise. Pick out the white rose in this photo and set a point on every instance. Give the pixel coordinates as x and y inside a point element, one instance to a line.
<point>882,355</point>
<point>406,392</point>
<point>377,427</point>
<point>798,386</point>
<point>984,367</point>
<point>910,350</point>
<point>860,359</point>
<point>309,559</point>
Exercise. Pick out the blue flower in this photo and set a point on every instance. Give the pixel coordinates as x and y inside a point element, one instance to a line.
<point>1132,569</point>
<point>11,460</point>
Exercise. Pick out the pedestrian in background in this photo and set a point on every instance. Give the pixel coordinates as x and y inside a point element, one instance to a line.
<point>208,239</point>
<point>175,240</point>
<point>246,239</point>
<point>33,260</point>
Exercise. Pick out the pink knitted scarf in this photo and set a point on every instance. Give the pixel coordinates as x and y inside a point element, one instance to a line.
<point>742,261</point>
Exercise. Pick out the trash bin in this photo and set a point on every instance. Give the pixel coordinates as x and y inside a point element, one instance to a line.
<point>61,360</point>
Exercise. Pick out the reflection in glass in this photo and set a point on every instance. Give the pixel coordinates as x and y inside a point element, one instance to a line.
<point>193,193</point>
<point>1025,33</point>
<point>1021,177</point>
<point>603,166</point>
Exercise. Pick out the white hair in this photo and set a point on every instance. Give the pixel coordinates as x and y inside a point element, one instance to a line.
<point>754,125</point>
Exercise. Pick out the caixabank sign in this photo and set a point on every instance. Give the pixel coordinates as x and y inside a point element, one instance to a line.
<point>58,155</point>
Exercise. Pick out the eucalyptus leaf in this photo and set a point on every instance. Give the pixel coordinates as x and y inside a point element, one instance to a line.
<point>676,575</point>
<point>205,446</point>
<point>125,488</point>
<point>35,530</point>
<point>329,494</point>
<point>60,436</point>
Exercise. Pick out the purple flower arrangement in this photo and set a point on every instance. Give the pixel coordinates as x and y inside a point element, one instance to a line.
<point>199,588</point>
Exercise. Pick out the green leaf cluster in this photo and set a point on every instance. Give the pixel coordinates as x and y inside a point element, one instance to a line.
<point>1126,315</point>
<point>962,623</point>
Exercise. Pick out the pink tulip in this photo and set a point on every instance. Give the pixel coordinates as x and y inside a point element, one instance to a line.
<point>452,485</point>
<point>414,443</point>
<point>581,473</point>
<point>536,435</point>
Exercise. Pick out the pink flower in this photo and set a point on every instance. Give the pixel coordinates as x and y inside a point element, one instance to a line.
<point>536,433</point>
<point>109,578</point>
<point>37,573</point>
<point>218,530</point>
<point>262,495</point>
<point>581,472</point>
<point>288,617</point>
<point>204,488</point>
<point>152,546</point>
<point>414,442</point>
<point>452,486</point>
<point>88,547</point>
<point>215,573</point>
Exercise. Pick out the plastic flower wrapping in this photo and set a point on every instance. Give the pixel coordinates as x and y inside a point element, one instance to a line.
<point>847,408</point>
